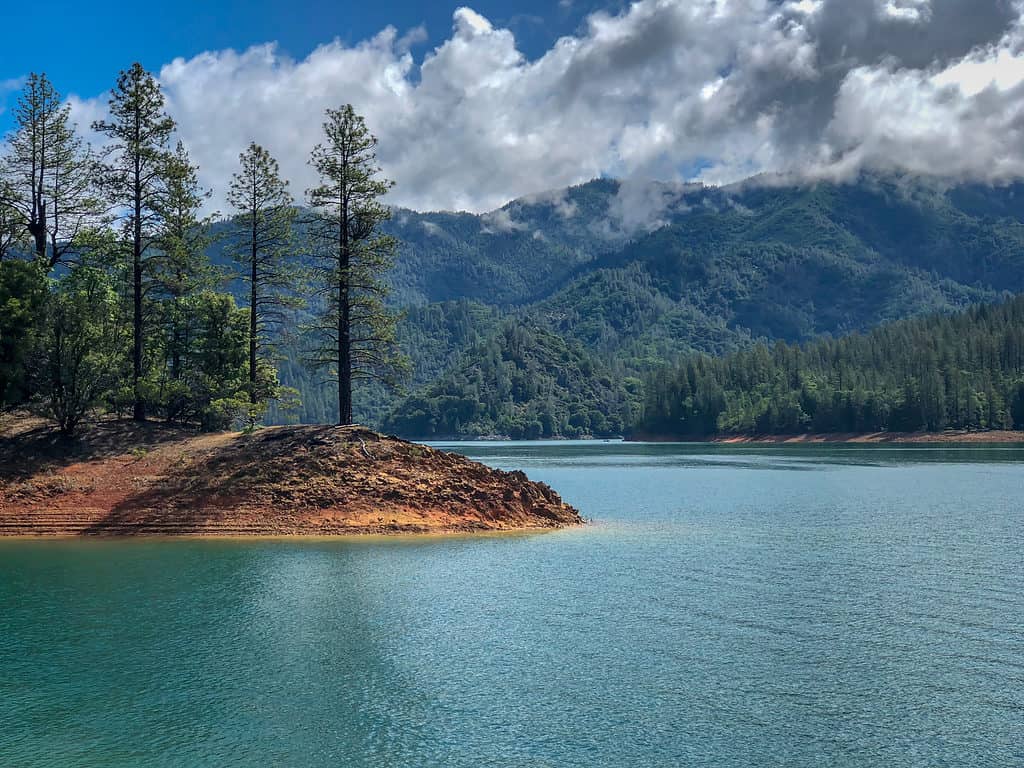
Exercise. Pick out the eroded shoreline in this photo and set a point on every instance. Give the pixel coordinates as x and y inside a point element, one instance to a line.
<point>895,438</point>
<point>127,479</point>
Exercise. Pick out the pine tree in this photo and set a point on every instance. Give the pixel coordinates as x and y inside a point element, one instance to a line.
<point>51,172</point>
<point>180,269</point>
<point>264,249</point>
<point>11,223</point>
<point>137,163</point>
<point>356,328</point>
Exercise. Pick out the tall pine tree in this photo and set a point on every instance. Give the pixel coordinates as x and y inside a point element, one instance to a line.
<point>180,269</point>
<point>356,329</point>
<point>134,177</point>
<point>51,172</point>
<point>264,250</point>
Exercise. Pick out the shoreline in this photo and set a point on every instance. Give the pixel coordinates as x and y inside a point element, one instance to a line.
<point>125,479</point>
<point>352,537</point>
<point>993,437</point>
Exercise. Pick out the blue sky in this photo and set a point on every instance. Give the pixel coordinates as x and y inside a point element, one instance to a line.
<point>84,45</point>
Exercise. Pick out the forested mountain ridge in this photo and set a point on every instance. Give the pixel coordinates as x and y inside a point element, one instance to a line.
<point>655,271</point>
<point>639,273</point>
<point>961,371</point>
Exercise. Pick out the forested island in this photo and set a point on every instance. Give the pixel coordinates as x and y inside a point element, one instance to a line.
<point>119,330</point>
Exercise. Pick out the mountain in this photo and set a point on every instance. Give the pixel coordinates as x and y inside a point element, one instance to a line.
<point>632,275</point>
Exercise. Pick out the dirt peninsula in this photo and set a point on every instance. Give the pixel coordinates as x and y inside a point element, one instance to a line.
<point>122,478</point>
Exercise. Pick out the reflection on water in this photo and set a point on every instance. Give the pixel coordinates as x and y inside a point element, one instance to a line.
<point>598,453</point>
<point>865,610</point>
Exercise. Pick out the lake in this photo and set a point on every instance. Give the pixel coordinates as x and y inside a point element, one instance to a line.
<point>728,606</point>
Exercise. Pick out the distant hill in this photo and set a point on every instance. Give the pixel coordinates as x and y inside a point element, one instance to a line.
<point>522,383</point>
<point>633,275</point>
<point>963,371</point>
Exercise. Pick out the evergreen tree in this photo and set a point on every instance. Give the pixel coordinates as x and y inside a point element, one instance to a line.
<point>180,270</point>
<point>964,371</point>
<point>51,171</point>
<point>11,223</point>
<point>218,376</point>
<point>264,249</point>
<point>356,329</point>
<point>137,164</point>
<point>23,299</point>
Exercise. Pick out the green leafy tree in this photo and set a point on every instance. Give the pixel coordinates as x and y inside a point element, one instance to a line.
<point>52,172</point>
<point>264,250</point>
<point>218,377</point>
<point>134,177</point>
<point>353,254</point>
<point>23,299</point>
<point>81,347</point>
<point>12,224</point>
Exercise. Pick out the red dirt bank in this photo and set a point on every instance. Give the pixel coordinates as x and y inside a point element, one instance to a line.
<point>129,479</point>
<point>951,436</point>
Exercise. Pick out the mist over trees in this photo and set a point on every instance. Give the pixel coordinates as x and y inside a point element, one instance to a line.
<point>109,302</point>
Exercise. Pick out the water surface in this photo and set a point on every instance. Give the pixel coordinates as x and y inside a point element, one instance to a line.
<point>729,606</point>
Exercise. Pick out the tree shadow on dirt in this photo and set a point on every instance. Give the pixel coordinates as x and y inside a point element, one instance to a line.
<point>39,448</point>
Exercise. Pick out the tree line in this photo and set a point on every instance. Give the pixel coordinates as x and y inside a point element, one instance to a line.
<point>109,301</point>
<point>961,371</point>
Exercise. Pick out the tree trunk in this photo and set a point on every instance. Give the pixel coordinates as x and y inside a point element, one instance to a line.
<point>344,355</point>
<point>38,231</point>
<point>344,318</point>
<point>252,316</point>
<point>139,407</point>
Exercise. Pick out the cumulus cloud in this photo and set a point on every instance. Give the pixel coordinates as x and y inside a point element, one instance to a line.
<point>676,90</point>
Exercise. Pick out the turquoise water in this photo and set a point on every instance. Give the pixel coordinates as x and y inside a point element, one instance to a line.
<point>808,606</point>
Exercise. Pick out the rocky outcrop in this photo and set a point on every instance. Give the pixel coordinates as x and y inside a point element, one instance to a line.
<point>305,480</point>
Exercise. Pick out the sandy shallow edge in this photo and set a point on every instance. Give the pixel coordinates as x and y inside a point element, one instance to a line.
<point>355,537</point>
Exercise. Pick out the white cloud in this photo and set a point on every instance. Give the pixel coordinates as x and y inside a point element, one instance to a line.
<point>8,87</point>
<point>432,229</point>
<point>804,7</point>
<point>964,121</point>
<point>640,206</point>
<point>906,10</point>
<point>558,199</point>
<point>500,220</point>
<point>703,90</point>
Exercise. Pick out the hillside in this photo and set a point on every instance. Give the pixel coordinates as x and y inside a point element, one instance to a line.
<point>523,383</point>
<point>961,372</point>
<point>638,274</point>
<point>124,478</point>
